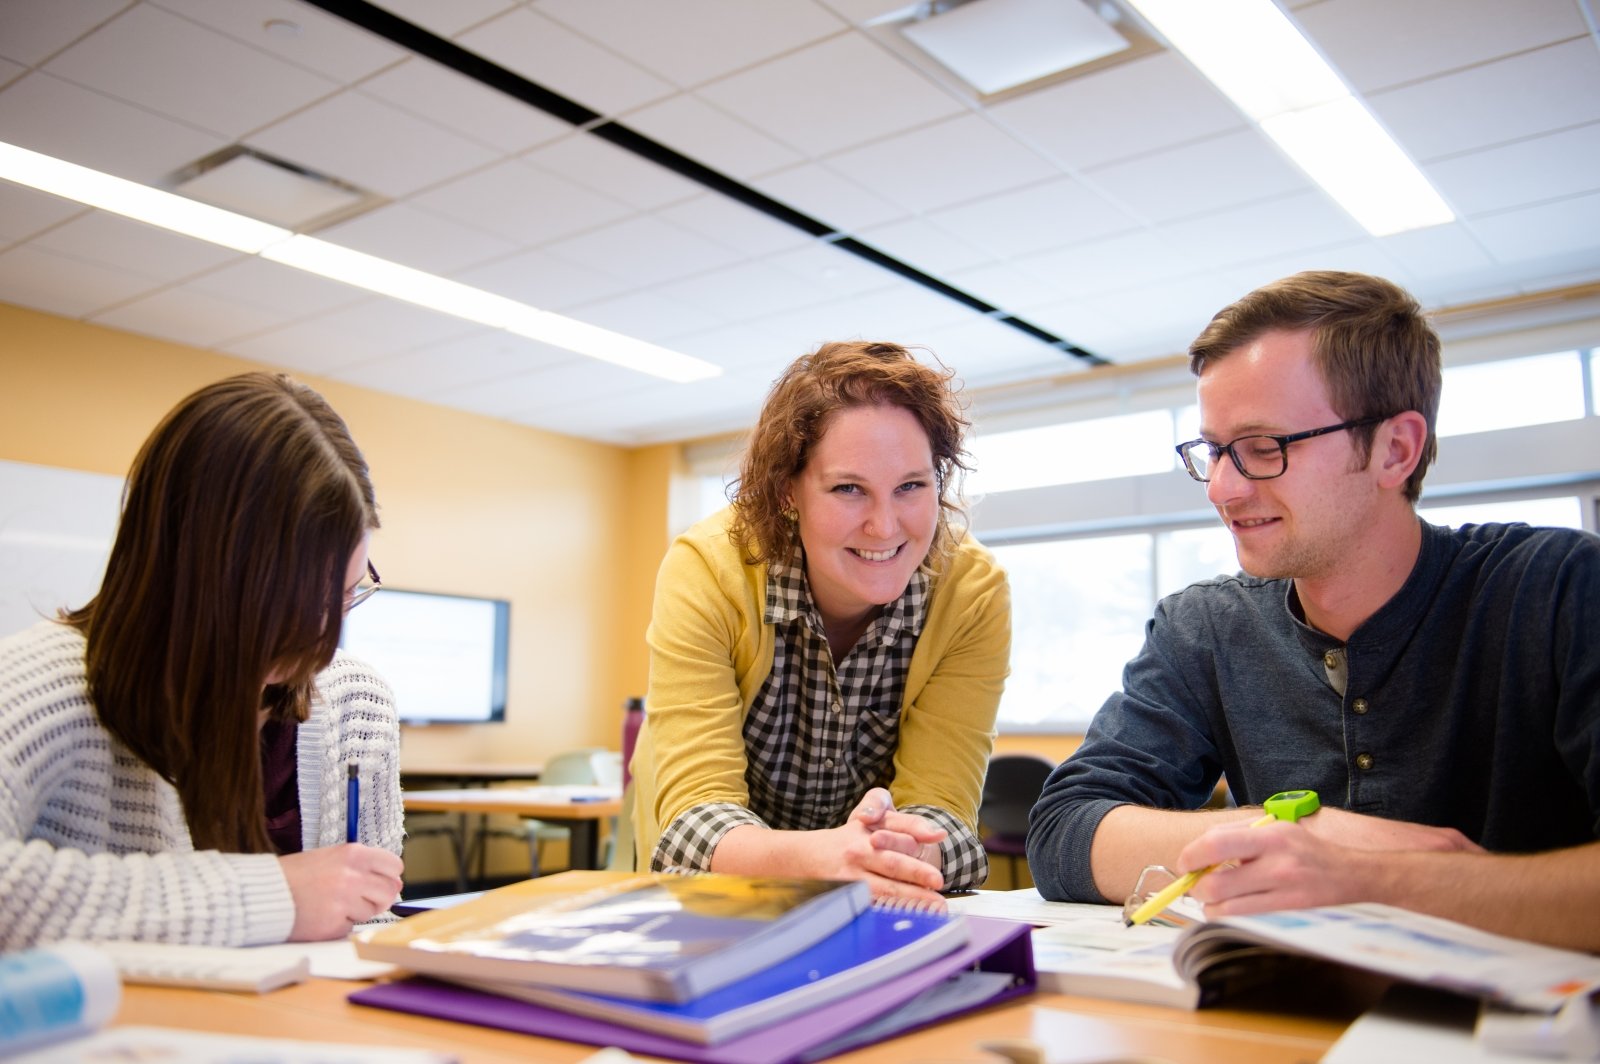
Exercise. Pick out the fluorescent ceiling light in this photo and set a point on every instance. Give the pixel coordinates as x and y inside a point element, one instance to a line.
<point>215,225</point>
<point>133,200</point>
<point>1261,61</point>
<point>994,45</point>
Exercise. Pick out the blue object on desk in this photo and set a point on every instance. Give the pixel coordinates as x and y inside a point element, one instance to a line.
<point>352,804</point>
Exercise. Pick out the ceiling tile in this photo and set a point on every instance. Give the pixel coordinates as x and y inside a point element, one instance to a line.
<point>694,128</point>
<point>60,284</point>
<point>1360,256</point>
<point>954,160</point>
<point>459,103</point>
<point>156,60</point>
<point>1110,264</point>
<point>1549,229</point>
<point>570,383</point>
<point>1004,285</point>
<point>1524,172</point>
<point>550,55</point>
<point>404,234</point>
<point>59,118</point>
<point>983,352</point>
<point>926,245</point>
<point>123,244</point>
<point>33,30</point>
<point>1376,43</point>
<point>325,43</point>
<point>1537,92</point>
<point>519,202</point>
<point>372,329</point>
<point>1222,171</point>
<point>372,144</point>
<point>1294,223</point>
<point>802,100</point>
<point>425,373</point>
<point>828,197</point>
<point>748,290</point>
<point>187,316</point>
<point>661,412</point>
<point>10,71</point>
<point>1052,214</point>
<point>1122,111</point>
<point>732,224</point>
<point>858,11</point>
<point>597,164</point>
<point>690,41</point>
<point>1438,251</point>
<point>643,250</point>
<point>289,293</point>
<point>1084,322</point>
<point>447,20</point>
<point>25,212</point>
<point>646,315</point>
<point>740,345</point>
<point>833,271</point>
<point>542,280</point>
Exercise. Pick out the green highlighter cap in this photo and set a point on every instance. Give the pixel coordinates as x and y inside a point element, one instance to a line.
<point>1292,805</point>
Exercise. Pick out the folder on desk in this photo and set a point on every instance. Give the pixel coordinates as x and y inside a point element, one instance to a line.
<point>995,965</point>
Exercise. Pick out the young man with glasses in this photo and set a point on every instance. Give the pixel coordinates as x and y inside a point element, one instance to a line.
<point>1439,688</point>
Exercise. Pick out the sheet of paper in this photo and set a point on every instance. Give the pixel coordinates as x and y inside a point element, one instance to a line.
<point>173,1046</point>
<point>1027,907</point>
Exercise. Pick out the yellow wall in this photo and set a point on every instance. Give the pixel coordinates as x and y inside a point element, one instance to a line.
<point>570,531</point>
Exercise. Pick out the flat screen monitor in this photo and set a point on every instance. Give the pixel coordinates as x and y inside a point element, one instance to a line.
<point>444,655</point>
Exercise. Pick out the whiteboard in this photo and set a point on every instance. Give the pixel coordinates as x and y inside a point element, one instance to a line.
<point>56,527</point>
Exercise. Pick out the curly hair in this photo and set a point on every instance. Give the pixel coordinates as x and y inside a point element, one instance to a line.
<point>798,410</point>
<point>1370,342</point>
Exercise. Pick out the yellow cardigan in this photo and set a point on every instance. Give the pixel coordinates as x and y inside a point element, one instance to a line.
<point>710,654</point>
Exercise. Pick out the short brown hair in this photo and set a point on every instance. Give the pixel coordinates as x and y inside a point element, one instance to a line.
<point>238,520</point>
<point>835,377</point>
<point>1375,350</point>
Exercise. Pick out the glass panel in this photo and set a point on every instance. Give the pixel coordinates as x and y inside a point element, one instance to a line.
<point>1192,554</point>
<point>1563,512</point>
<point>1517,391</point>
<point>1078,612</point>
<point>1072,453</point>
<point>1594,381</point>
<point>713,496</point>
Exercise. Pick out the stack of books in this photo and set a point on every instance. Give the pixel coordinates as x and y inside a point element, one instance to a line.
<point>705,967</point>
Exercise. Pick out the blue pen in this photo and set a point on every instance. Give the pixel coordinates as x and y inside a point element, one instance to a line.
<point>352,804</point>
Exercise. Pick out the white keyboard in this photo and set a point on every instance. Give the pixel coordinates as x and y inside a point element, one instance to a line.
<point>257,969</point>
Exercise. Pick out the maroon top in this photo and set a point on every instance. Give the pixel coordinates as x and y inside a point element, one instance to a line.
<point>279,789</point>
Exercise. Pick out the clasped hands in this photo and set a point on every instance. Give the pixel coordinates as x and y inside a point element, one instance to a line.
<point>1322,860</point>
<point>897,853</point>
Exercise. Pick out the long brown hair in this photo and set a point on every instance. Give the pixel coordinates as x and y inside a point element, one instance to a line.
<point>1370,341</point>
<point>798,410</point>
<point>238,521</point>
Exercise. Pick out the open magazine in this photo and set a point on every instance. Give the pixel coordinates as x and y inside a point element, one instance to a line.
<point>1207,962</point>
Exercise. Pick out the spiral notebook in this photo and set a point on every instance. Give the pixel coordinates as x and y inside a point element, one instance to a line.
<point>994,965</point>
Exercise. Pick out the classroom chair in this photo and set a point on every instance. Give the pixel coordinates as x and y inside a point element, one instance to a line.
<point>589,765</point>
<point>1010,789</point>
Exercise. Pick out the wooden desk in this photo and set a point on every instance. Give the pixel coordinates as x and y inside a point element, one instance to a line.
<point>581,818</point>
<point>1072,1030</point>
<point>474,773</point>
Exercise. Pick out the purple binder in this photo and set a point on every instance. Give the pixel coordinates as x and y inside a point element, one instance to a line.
<point>993,946</point>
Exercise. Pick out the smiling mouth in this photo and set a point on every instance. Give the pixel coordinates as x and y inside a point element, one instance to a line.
<point>876,555</point>
<point>1251,522</point>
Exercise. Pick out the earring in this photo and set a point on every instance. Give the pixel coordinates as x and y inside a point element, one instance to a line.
<point>791,515</point>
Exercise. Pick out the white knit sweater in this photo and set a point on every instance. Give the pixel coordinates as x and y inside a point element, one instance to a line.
<point>94,845</point>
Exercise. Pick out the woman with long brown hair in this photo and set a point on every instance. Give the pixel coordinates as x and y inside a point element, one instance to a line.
<point>827,655</point>
<point>177,749</point>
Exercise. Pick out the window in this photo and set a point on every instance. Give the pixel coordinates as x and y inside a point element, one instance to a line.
<point>1512,392</point>
<point>1072,453</point>
<point>1560,512</point>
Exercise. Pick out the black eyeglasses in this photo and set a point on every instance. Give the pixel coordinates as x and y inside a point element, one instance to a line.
<point>1257,457</point>
<point>364,590</point>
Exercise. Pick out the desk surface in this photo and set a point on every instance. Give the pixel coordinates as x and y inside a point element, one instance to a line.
<point>1071,1029</point>
<point>543,803</point>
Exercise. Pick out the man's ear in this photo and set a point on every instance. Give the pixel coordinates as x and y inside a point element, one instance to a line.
<point>1397,447</point>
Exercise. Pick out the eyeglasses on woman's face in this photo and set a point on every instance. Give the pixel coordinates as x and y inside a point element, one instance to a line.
<point>369,586</point>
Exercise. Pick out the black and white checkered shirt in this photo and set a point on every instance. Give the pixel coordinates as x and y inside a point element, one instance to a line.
<point>819,736</point>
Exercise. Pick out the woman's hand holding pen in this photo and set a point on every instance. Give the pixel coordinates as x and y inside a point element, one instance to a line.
<point>336,887</point>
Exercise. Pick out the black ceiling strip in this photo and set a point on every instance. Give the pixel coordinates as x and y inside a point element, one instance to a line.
<point>1053,340</point>
<point>656,152</point>
<point>416,39</point>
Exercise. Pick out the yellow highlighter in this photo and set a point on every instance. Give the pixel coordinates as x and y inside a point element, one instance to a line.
<point>1285,805</point>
